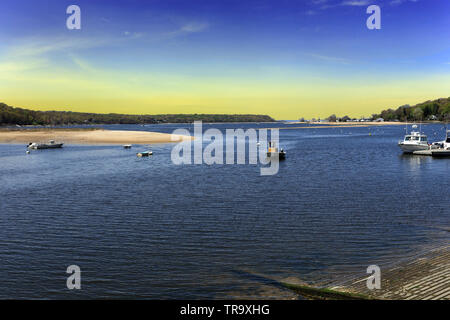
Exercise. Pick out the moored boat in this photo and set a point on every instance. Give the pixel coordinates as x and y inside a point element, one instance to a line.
<point>273,151</point>
<point>441,148</point>
<point>414,141</point>
<point>144,154</point>
<point>445,144</point>
<point>51,145</point>
<point>437,149</point>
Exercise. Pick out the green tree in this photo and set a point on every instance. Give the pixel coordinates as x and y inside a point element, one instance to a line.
<point>418,114</point>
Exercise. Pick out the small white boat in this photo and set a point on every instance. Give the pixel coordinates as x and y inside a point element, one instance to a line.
<point>144,154</point>
<point>445,144</point>
<point>51,145</point>
<point>415,141</point>
<point>127,146</point>
<point>441,148</point>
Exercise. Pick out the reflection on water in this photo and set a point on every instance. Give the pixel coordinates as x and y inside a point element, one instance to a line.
<point>145,228</point>
<point>415,161</point>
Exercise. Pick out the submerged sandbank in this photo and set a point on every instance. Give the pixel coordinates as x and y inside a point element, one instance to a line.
<point>88,136</point>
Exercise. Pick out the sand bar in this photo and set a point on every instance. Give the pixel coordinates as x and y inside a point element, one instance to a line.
<point>354,124</point>
<point>324,125</point>
<point>88,136</point>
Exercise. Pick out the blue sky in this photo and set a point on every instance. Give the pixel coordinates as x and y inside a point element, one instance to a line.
<point>284,58</point>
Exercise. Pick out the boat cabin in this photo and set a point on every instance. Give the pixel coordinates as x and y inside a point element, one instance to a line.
<point>416,137</point>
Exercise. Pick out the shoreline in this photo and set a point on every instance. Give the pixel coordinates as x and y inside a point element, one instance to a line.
<point>356,124</point>
<point>88,136</point>
<point>423,277</point>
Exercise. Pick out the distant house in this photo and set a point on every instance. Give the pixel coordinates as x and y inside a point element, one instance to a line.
<point>432,117</point>
<point>379,120</point>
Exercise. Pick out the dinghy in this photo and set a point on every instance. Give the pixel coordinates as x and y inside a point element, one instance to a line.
<point>144,154</point>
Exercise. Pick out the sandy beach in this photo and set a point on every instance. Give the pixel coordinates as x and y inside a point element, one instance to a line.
<point>88,136</point>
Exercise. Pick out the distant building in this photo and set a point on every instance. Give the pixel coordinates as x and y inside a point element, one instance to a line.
<point>379,120</point>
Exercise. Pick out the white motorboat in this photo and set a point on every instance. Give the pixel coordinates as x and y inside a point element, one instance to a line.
<point>441,148</point>
<point>414,141</point>
<point>445,144</point>
<point>51,145</point>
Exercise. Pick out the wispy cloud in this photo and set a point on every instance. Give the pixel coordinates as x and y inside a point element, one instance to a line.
<point>133,35</point>
<point>83,64</point>
<point>194,27</point>
<point>41,46</point>
<point>29,54</point>
<point>187,28</point>
<point>355,3</point>
<point>397,2</point>
<point>328,58</point>
<point>21,66</point>
<point>327,4</point>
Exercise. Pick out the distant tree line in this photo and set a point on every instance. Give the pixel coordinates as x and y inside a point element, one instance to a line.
<point>12,116</point>
<point>438,109</point>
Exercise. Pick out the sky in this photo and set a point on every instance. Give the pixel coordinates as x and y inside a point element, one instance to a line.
<point>285,58</point>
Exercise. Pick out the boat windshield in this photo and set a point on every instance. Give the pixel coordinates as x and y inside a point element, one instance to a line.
<point>407,138</point>
<point>423,138</point>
